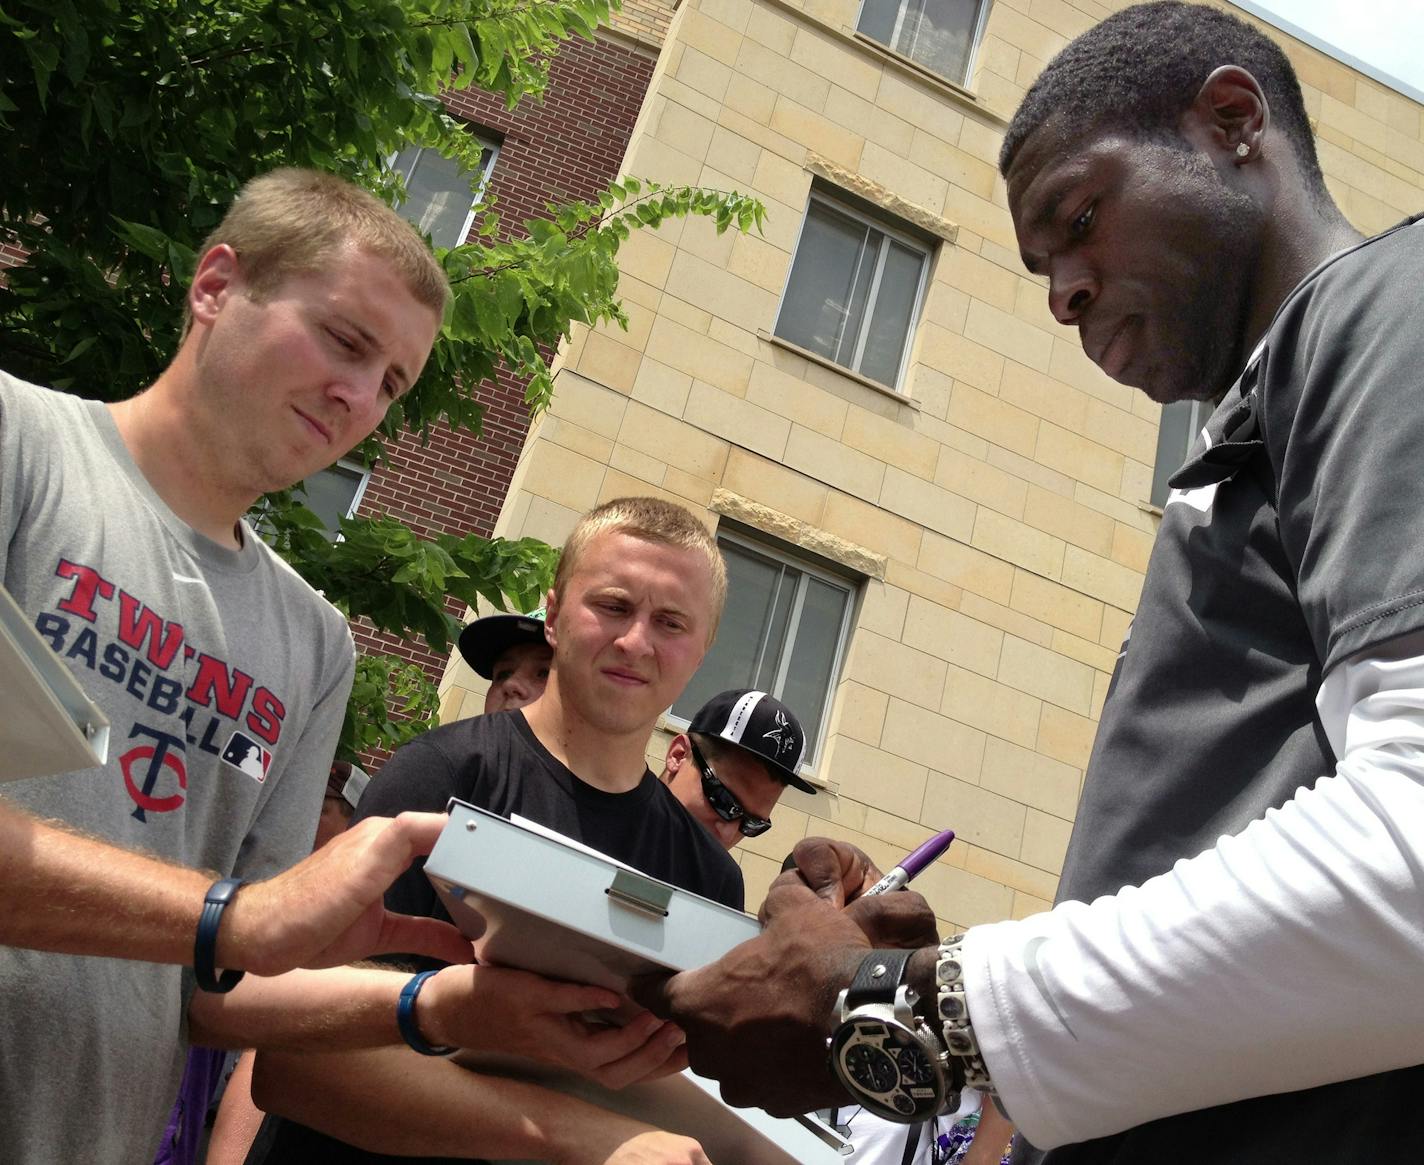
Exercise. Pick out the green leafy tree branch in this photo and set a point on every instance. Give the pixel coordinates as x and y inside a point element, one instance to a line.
<point>126,127</point>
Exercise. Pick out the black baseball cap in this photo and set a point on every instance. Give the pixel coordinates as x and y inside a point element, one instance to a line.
<point>347,781</point>
<point>762,725</point>
<point>485,640</point>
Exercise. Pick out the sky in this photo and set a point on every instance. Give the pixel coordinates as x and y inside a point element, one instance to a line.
<point>1387,34</point>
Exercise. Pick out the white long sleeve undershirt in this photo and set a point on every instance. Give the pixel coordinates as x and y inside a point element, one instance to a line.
<point>1285,957</point>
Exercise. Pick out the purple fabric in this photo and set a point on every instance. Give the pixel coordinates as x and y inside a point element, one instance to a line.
<point>201,1075</point>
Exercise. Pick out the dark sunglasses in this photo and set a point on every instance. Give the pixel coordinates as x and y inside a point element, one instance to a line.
<point>723,801</point>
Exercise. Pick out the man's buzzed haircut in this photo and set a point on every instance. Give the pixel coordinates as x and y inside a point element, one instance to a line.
<point>291,221</point>
<point>1140,70</point>
<point>652,520</point>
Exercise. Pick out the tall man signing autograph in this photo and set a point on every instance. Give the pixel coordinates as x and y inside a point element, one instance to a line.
<point>1231,973</point>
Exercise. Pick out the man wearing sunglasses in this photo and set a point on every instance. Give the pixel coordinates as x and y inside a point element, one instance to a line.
<point>729,768</point>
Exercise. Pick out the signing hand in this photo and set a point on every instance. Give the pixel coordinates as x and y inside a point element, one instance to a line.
<point>834,870</point>
<point>839,873</point>
<point>758,1018</point>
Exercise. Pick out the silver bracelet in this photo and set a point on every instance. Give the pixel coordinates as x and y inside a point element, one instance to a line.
<point>953,1010</point>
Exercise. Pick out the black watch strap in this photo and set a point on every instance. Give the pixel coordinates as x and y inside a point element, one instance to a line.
<point>877,977</point>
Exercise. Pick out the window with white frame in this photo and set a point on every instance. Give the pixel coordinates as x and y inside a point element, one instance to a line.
<point>941,35</point>
<point>1181,422</point>
<point>335,492</point>
<point>854,291</point>
<point>441,195</point>
<point>784,631</point>
<point>331,494</point>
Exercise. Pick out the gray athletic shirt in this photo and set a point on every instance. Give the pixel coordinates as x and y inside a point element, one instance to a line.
<point>1291,541</point>
<point>225,677</point>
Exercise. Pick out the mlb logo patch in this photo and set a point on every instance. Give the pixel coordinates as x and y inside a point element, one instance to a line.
<point>246,755</point>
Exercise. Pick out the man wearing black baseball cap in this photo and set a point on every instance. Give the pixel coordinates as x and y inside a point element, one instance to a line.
<point>511,652</point>
<point>741,749</point>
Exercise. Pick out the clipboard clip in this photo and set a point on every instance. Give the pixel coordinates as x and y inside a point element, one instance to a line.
<point>642,894</point>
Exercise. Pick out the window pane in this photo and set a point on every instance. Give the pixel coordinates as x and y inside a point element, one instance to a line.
<point>881,19</point>
<point>936,33</point>
<point>823,279</point>
<point>329,495</point>
<point>747,652</point>
<point>774,644</point>
<point>766,642</point>
<point>486,161</point>
<point>439,195</point>
<point>835,303</point>
<point>891,317</point>
<point>1179,427</point>
<point>813,654</point>
<point>405,161</point>
<point>860,298</point>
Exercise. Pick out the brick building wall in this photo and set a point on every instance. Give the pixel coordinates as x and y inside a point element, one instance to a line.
<point>568,146</point>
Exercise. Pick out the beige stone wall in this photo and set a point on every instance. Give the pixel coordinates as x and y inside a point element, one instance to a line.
<point>1369,137</point>
<point>996,506</point>
<point>644,20</point>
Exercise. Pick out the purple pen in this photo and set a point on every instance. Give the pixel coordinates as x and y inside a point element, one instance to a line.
<point>913,865</point>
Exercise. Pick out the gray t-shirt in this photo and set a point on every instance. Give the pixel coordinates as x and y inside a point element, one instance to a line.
<point>1292,542</point>
<point>225,677</point>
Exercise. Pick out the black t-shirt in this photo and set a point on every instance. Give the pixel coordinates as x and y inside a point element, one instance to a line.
<point>496,762</point>
<point>1292,544</point>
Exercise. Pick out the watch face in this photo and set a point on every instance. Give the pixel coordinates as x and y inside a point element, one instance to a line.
<point>886,1068</point>
<point>915,1066</point>
<point>871,1068</point>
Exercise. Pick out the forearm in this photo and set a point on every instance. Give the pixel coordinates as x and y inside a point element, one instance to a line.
<point>991,1138</point>
<point>238,1120</point>
<point>62,891</point>
<point>472,1007</point>
<point>392,1101</point>
<point>1225,978</point>
<point>330,1010</point>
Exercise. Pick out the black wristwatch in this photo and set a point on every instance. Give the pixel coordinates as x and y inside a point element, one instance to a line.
<point>888,1058</point>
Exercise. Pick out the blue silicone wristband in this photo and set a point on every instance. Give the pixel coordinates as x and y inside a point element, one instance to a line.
<point>205,945</point>
<point>405,1017</point>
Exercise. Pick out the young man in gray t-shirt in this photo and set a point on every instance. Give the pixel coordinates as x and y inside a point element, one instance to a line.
<point>224,675</point>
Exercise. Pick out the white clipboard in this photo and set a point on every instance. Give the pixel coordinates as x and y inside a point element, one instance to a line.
<point>47,724</point>
<point>691,1105</point>
<point>535,900</point>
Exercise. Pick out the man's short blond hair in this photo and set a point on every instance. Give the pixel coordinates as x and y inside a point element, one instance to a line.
<point>652,520</point>
<point>290,221</point>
